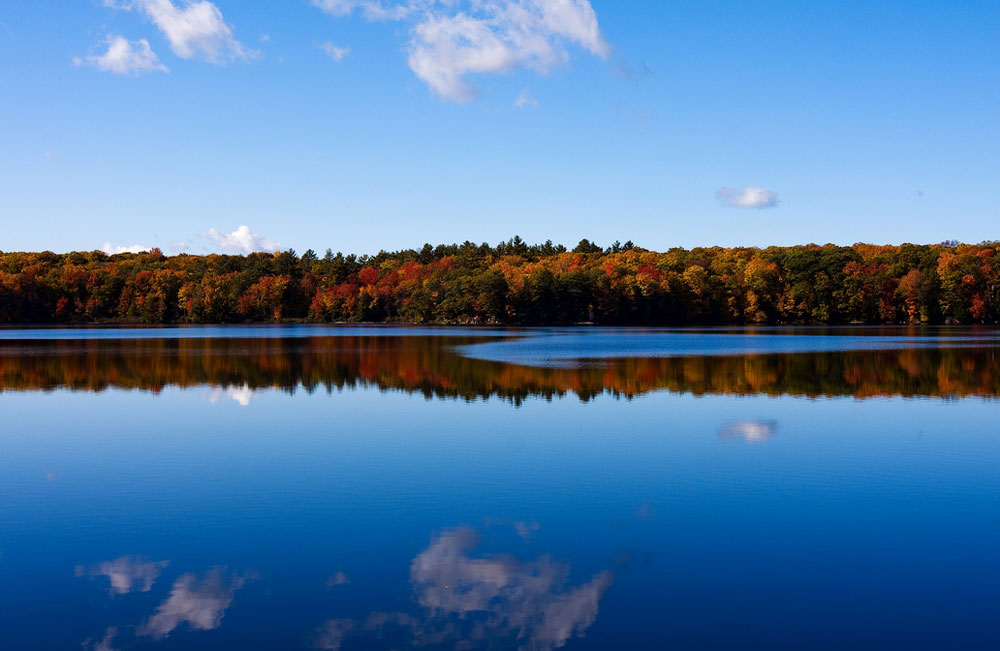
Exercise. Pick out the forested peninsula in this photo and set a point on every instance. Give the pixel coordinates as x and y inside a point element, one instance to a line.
<point>513,283</point>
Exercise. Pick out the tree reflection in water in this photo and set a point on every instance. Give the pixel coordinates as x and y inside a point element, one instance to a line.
<point>431,367</point>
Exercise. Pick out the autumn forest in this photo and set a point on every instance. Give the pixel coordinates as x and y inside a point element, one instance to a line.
<point>513,283</point>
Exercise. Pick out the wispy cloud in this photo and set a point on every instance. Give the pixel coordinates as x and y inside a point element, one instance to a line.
<point>750,196</point>
<point>452,40</point>
<point>124,57</point>
<point>112,249</point>
<point>198,602</point>
<point>374,9</point>
<point>242,240</point>
<point>525,100</point>
<point>630,73</point>
<point>196,29</point>
<point>335,53</point>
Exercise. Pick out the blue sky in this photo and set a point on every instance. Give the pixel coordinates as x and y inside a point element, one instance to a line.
<point>358,125</point>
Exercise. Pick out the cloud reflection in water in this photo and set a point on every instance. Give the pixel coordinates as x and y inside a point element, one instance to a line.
<point>492,599</point>
<point>198,602</point>
<point>103,644</point>
<point>128,573</point>
<point>242,395</point>
<point>750,431</point>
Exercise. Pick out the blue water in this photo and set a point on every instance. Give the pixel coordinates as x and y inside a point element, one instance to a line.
<point>232,517</point>
<point>559,346</point>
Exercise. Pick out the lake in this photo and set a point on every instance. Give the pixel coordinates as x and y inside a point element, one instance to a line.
<point>355,487</point>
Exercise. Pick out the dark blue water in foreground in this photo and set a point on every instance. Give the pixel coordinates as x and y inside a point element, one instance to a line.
<point>332,500</point>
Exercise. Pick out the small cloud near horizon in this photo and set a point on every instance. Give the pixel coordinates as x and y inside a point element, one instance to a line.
<point>111,249</point>
<point>242,240</point>
<point>750,196</point>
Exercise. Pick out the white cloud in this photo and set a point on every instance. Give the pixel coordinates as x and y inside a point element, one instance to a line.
<point>751,431</point>
<point>525,100</point>
<point>375,9</point>
<point>111,249</point>
<point>199,603</point>
<point>124,57</point>
<point>242,240</point>
<point>129,573</point>
<point>750,196</point>
<point>194,29</point>
<point>337,7</point>
<point>334,52</point>
<point>451,40</point>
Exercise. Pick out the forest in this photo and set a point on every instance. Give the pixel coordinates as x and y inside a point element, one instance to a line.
<point>513,283</point>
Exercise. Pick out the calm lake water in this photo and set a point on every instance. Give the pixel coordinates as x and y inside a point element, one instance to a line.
<point>387,488</point>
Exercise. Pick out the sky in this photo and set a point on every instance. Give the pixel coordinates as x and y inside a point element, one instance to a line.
<point>361,125</point>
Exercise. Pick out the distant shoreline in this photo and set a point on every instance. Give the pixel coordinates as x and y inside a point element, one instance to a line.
<point>513,284</point>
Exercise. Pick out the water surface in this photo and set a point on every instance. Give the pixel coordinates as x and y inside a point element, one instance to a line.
<point>385,488</point>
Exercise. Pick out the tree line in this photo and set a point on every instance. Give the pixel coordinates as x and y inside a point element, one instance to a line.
<point>513,283</point>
